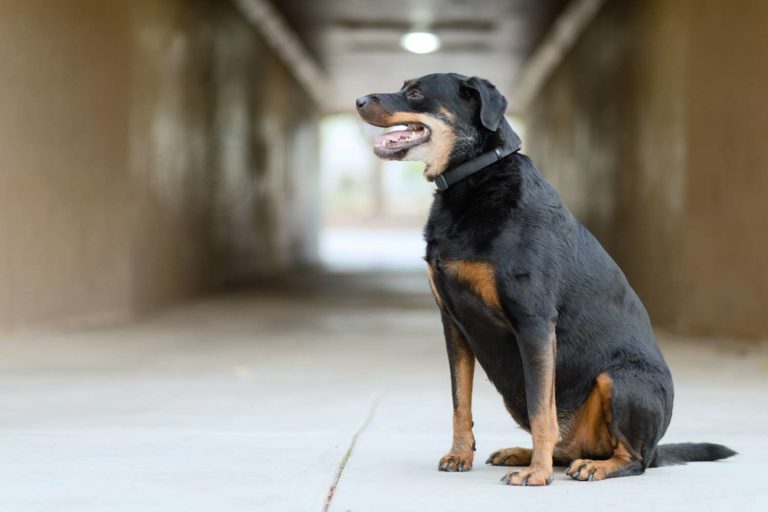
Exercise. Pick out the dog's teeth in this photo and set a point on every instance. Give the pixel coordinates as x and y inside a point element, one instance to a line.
<point>400,135</point>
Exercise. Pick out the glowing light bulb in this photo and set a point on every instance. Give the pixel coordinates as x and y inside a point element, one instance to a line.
<point>420,42</point>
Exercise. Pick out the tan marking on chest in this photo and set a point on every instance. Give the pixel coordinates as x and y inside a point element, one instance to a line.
<point>479,275</point>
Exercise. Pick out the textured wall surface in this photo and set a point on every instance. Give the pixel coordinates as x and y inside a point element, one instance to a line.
<point>145,154</point>
<point>651,130</point>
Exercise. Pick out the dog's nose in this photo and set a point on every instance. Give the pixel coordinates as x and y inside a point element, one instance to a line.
<point>361,101</point>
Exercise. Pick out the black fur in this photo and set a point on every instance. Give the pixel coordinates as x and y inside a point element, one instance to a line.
<point>549,270</point>
<point>492,104</point>
<point>680,453</point>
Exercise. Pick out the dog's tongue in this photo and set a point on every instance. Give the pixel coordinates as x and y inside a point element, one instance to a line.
<point>393,137</point>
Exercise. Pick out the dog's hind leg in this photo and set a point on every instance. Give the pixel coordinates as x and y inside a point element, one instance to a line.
<point>622,463</point>
<point>618,426</point>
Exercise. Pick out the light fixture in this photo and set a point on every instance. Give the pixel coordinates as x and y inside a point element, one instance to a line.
<point>420,42</point>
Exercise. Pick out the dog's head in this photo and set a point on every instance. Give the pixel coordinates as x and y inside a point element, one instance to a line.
<point>441,119</point>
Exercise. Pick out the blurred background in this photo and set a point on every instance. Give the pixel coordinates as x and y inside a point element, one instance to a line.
<point>186,192</point>
<point>152,150</point>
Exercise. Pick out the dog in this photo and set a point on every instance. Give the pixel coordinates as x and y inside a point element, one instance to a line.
<point>527,291</point>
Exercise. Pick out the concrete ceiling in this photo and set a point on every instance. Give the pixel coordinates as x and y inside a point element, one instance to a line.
<point>356,42</point>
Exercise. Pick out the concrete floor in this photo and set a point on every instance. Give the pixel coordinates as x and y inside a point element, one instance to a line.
<point>253,401</point>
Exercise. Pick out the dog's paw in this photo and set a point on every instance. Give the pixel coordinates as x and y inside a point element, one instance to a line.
<point>510,457</point>
<point>529,476</point>
<point>456,461</point>
<point>589,470</point>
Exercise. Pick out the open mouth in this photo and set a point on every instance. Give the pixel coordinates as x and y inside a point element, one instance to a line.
<point>402,137</point>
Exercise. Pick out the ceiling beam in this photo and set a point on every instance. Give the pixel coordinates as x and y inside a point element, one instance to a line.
<point>288,46</point>
<point>563,34</point>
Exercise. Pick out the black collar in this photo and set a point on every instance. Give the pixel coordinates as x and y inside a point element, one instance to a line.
<point>470,167</point>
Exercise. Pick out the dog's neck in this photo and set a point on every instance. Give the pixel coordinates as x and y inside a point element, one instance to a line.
<point>470,167</point>
<point>497,145</point>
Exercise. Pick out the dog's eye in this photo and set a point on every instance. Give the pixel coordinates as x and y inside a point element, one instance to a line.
<point>414,94</point>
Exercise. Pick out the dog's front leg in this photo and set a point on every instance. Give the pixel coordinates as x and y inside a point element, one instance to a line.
<point>462,363</point>
<point>536,339</point>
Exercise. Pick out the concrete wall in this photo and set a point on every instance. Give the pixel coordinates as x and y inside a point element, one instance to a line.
<point>145,154</point>
<point>651,128</point>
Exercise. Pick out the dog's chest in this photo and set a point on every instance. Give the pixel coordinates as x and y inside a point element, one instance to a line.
<point>467,291</point>
<point>464,278</point>
<point>465,282</point>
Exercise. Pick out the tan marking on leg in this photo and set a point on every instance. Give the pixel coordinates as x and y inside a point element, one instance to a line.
<point>587,469</point>
<point>510,457</point>
<point>604,385</point>
<point>462,452</point>
<point>479,275</point>
<point>462,415</point>
<point>589,433</point>
<point>591,437</point>
<point>431,274</point>
<point>544,430</point>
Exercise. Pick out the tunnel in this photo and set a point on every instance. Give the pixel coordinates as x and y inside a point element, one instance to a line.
<point>213,295</point>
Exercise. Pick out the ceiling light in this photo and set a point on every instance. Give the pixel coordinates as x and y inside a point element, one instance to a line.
<point>420,42</point>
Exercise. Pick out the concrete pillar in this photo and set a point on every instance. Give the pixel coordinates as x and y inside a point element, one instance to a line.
<point>651,130</point>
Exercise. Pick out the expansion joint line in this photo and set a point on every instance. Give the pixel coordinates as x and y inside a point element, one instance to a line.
<point>343,464</point>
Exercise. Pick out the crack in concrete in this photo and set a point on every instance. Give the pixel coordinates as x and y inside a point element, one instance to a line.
<point>343,464</point>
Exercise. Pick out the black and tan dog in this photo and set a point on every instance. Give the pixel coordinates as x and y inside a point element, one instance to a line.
<point>526,290</point>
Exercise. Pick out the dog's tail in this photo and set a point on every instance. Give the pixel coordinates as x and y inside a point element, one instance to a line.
<point>680,453</point>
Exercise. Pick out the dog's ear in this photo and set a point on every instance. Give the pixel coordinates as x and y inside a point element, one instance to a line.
<point>492,103</point>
